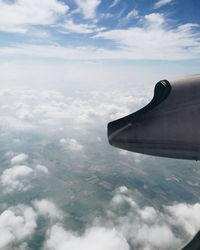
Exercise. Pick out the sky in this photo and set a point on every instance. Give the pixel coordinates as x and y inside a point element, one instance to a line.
<point>95,29</point>
<point>107,41</point>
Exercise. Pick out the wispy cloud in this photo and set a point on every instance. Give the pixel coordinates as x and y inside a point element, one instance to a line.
<point>161,3</point>
<point>132,13</point>
<point>114,3</point>
<point>71,27</point>
<point>153,40</point>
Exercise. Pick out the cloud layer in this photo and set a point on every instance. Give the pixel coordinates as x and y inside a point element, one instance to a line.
<point>139,227</point>
<point>66,130</point>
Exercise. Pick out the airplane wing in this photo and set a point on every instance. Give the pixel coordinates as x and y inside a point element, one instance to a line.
<point>169,126</point>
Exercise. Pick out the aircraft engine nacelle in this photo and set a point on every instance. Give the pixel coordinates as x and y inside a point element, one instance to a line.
<point>169,126</point>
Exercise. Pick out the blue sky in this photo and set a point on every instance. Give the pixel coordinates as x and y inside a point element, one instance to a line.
<point>99,33</point>
<point>99,29</point>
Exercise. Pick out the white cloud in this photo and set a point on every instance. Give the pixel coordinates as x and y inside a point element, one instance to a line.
<point>70,26</point>
<point>123,189</point>
<point>105,16</point>
<point>155,40</point>
<point>148,214</point>
<point>137,227</point>
<point>63,141</point>
<point>88,7</point>
<point>144,227</point>
<point>160,3</point>
<point>16,224</point>
<point>114,3</point>
<point>16,178</point>
<point>10,122</point>
<point>132,13</point>
<point>186,216</point>
<point>19,158</point>
<point>133,156</point>
<point>19,15</point>
<point>154,20</point>
<point>74,145</point>
<point>101,238</point>
<point>47,209</point>
<point>42,168</point>
<point>156,237</point>
<point>56,111</point>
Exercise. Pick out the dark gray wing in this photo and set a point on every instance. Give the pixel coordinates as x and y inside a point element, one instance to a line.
<point>169,126</point>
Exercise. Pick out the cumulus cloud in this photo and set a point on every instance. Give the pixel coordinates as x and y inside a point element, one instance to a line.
<point>16,178</point>
<point>157,237</point>
<point>101,238</point>
<point>144,227</point>
<point>72,144</point>
<point>16,224</point>
<point>19,15</point>
<point>186,216</point>
<point>47,209</point>
<point>19,158</point>
<point>42,168</point>
<point>136,227</point>
<point>88,7</point>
